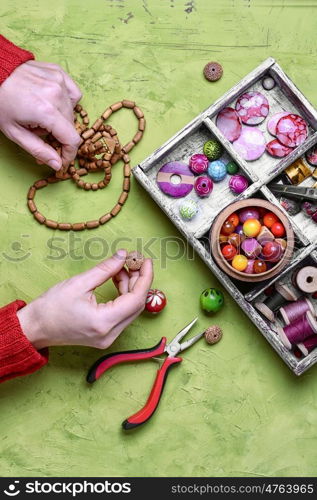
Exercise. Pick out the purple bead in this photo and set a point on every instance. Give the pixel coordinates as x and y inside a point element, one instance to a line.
<point>239,229</point>
<point>238,183</point>
<point>198,163</point>
<point>203,186</point>
<point>251,247</point>
<point>182,173</point>
<point>248,213</point>
<point>249,268</point>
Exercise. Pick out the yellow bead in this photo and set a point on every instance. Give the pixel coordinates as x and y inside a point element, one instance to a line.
<point>252,227</point>
<point>239,262</point>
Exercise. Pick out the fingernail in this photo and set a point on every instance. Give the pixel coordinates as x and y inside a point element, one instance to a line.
<point>121,253</point>
<point>54,164</point>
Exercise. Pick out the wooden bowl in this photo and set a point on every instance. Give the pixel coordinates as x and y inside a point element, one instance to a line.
<point>216,250</point>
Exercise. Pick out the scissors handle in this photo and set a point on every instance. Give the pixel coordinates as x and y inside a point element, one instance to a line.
<point>150,406</point>
<point>105,362</point>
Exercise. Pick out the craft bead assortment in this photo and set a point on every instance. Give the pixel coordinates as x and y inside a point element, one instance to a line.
<point>273,142</point>
<point>100,150</point>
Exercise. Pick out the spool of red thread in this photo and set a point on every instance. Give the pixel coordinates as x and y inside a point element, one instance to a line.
<point>308,345</point>
<point>297,332</point>
<point>290,312</point>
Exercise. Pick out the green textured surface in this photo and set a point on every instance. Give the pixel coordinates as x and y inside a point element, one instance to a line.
<point>233,409</point>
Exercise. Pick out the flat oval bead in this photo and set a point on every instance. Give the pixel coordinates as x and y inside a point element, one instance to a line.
<point>291,130</point>
<point>277,149</point>
<point>229,123</point>
<point>252,107</point>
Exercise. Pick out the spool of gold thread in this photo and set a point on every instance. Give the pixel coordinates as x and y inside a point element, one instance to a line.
<point>297,172</point>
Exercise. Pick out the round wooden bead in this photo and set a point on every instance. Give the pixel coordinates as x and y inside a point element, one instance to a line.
<point>134,261</point>
<point>213,334</point>
<point>213,71</point>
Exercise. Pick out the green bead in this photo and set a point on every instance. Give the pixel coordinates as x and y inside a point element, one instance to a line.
<point>188,209</point>
<point>213,149</point>
<point>232,168</point>
<point>211,300</point>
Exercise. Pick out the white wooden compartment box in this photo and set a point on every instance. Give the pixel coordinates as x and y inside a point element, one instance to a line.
<point>190,140</point>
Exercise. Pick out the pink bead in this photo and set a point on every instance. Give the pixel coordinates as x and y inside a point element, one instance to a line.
<point>291,130</point>
<point>249,268</point>
<point>203,186</point>
<point>238,183</point>
<point>198,163</point>
<point>277,149</point>
<point>229,123</point>
<point>251,143</point>
<point>311,156</point>
<point>272,122</point>
<point>252,107</point>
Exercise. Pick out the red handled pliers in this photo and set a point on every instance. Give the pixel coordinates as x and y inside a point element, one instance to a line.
<point>172,349</point>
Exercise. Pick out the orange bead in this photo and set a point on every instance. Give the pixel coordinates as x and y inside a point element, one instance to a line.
<point>234,219</point>
<point>227,228</point>
<point>259,266</point>
<point>239,262</point>
<point>269,219</point>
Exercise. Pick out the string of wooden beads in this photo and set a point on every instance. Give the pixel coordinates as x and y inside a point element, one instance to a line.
<point>100,150</point>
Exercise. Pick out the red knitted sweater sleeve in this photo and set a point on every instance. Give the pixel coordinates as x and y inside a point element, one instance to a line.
<point>17,354</point>
<point>11,57</point>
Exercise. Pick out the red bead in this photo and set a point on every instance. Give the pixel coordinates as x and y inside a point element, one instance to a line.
<point>278,229</point>
<point>227,228</point>
<point>229,251</point>
<point>272,251</point>
<point>155,301</point>
<point>234,219</point>
<point>269,219</point>
<point>259,267</point>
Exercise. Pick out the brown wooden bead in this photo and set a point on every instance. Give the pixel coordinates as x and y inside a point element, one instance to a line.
<point>83,113</point>
<point>39,217</point>
<point>52,180</point>
<point>32,206</point>
<point>96,137</point>
<point>105,218</point>
<point>138,112</point>
<point>78,108</point>
<point>94,186</point>
<point>91,224</point>
<point>116,106</point>
<point>88,133</point>
<point>82,171</point>
<point>137,137</point>
<point>64,226</point>
<point>116,209</point>
<point>115,157</point>
<point>128,147</point>
<point>97,124</point>
<point>123,198</point>
<point>107,113</point>
<point>141,124</point>
<point>126,184</point>
<point>87,186</point>
<point>81,184</point>
<point>128,104</point>
<point>78,226</point>
<point>86,120</point>
<point>126,158</point>
<point>127,170</point>
<point>31,193</point>
<point>40,184</point>
<point>51,224</point>
<point>101,184</point>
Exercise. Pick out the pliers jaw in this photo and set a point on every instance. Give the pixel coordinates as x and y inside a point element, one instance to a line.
<point>174,347</point>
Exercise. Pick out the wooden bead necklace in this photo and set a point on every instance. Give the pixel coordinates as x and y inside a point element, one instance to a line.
<point>99,150</point>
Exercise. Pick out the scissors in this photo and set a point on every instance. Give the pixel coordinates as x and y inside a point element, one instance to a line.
<point>171,350</point>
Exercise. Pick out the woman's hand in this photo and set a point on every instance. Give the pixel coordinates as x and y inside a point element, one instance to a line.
<point>35,99</point>
<point>68,313</point>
